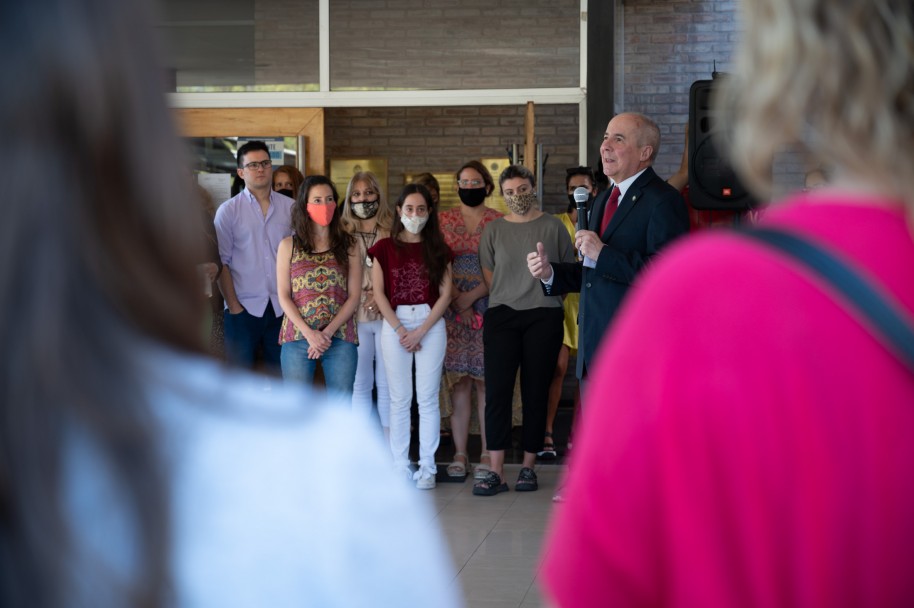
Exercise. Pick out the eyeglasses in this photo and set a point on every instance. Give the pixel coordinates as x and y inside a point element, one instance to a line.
<point>524,189</point>
<point>259,164</point>
<point>470,183</point>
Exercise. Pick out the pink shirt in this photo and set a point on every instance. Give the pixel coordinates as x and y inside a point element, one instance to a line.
<point>746,441</point>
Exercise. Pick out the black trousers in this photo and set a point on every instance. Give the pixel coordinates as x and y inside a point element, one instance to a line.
<point>529,339</point>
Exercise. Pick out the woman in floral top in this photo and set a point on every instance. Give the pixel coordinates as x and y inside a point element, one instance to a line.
<point>463,362</point>
<point>319,279</point>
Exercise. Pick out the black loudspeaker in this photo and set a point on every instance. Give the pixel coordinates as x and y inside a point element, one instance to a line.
<point>712,182</point>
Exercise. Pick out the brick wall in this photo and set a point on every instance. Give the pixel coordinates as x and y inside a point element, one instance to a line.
<point>667,45</point>
<point>440,139</point>
<point>663,46</point>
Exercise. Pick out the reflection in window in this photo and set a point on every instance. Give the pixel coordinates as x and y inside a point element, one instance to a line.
<point>240,45</point>
<point>441,44</point>
<point>264,45</point>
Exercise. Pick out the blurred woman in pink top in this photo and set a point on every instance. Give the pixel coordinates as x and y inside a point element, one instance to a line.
<point>750,442</point>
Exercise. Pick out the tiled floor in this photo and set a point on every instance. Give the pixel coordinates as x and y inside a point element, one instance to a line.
<point>495,541</point>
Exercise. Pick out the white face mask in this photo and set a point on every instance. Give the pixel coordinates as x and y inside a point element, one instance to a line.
<point>414,224</point>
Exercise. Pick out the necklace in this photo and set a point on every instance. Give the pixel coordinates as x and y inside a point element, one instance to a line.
<point>368,239</point>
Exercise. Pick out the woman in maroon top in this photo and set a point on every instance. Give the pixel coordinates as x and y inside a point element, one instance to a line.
<point>412,286</point>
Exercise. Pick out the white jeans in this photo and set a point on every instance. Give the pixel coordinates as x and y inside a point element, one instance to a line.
<point>429,363</point>
<point>369,372</point>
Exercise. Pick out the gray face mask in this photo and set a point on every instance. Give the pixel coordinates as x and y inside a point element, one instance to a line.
<point>520,204</point>
<point>366,209</point>
<point>414,224</point>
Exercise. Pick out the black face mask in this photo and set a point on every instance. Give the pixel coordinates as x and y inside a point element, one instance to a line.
<point>288,193</point>
<point>472,197</point>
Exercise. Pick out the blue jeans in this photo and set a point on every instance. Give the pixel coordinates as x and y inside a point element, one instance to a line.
<point>338,362</point>
<point>244,331</point>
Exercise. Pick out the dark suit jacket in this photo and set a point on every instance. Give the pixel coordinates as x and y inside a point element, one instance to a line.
<point>650,215</point>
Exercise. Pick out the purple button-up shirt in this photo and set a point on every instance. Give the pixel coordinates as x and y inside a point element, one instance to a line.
<point>247,245</point>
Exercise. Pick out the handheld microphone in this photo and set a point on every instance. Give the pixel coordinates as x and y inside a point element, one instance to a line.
<point>581,195</point>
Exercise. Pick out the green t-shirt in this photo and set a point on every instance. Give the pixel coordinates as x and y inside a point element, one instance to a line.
<point>503,249</point>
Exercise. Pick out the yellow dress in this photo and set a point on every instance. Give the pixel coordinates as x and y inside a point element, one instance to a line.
<point>572,299</point>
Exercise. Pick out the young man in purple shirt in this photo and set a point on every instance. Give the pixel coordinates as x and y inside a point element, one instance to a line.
<point>249,227</point>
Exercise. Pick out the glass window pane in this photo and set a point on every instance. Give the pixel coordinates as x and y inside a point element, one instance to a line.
<point>441,44</point>
<point>241,45</point>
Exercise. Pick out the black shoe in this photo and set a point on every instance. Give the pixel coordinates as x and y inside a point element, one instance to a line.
<point>526,481</point>
<point>490,486</point>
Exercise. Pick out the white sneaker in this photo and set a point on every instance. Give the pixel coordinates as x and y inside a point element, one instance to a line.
<point>426,482</point>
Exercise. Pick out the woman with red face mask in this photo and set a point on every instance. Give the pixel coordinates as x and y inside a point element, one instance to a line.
<point>319,280</point>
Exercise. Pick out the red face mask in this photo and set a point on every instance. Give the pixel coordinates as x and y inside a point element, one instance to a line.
<point>321,214</point>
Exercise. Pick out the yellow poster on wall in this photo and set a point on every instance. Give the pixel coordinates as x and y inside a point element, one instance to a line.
<point>342,170</point>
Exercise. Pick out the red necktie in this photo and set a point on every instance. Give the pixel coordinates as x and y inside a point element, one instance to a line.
<point>610,208</point>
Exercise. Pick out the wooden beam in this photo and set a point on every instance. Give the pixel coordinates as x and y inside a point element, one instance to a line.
<point>259,122</point>
<point>529,143</point>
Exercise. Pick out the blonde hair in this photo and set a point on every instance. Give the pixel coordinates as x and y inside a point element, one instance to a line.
<point>385,216</point>
<point>835,79</point>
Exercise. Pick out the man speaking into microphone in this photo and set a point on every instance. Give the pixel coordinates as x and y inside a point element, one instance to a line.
<point>627,226</point>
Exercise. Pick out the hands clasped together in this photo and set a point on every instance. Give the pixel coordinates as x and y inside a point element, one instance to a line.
<point>411,340</point>
<point>318,342</point>
<point>462,305</point>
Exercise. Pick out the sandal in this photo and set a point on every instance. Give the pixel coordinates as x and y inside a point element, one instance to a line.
<point>526,481</point>
<point>457,468</point>
<point>490,486</point>
<point>484,466</point>
<point>548,451</point>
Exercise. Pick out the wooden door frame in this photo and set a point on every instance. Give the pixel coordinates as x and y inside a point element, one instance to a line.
<point>260,122</point>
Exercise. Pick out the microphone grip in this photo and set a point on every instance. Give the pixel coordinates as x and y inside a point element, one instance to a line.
<point>582,221</point>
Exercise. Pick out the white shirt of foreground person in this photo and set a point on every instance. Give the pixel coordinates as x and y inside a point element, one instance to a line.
<point>280,498</point>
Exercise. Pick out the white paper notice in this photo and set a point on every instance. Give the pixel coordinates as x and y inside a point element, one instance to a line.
<point>218,185</point>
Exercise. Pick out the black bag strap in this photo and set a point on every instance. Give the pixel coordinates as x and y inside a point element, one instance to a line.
<point>886,318</point>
